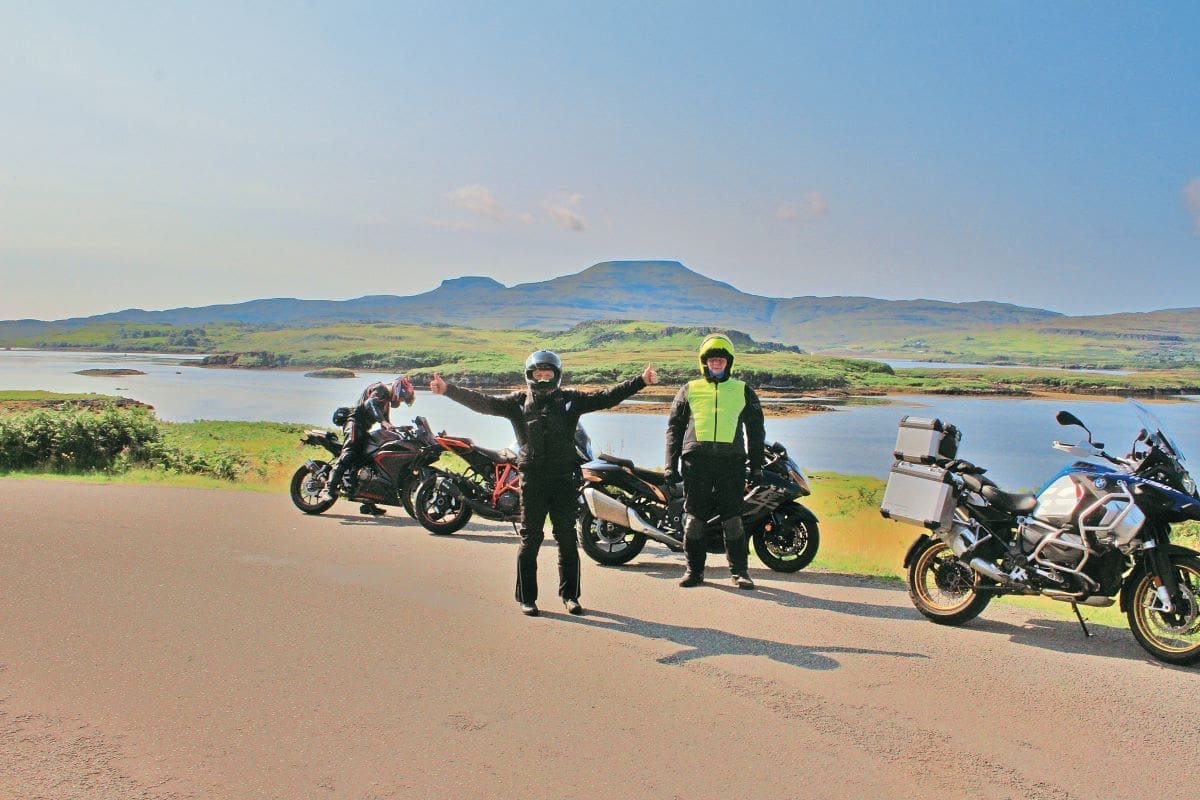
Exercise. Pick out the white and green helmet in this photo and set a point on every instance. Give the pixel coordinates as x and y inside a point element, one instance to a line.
<point>716,344</point>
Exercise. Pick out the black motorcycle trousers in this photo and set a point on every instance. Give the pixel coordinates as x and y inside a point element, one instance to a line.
<point>553,494</point>
<point>714,487</point>
<point>351,456</point>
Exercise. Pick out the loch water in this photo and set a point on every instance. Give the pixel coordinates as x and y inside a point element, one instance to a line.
<point>1011,437</point>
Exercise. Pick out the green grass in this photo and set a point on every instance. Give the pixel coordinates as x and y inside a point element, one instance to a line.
<point>270,450</point>
<point>37,396</point>
<point>601,352</point>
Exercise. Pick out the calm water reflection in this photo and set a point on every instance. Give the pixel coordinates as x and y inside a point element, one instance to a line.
<point>1009,437</point>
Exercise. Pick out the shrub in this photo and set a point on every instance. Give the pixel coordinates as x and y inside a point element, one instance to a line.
<point>112,439</point>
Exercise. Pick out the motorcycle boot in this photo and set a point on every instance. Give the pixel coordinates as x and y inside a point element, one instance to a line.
<point>334,485</point>
<point>693,548</point>
<point>737,551</point>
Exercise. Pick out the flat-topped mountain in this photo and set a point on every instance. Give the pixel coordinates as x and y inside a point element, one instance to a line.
<point>656,291</point>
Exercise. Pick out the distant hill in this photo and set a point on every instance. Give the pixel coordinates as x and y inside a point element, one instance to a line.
<point>1168,339</point>
<point>656,291</point>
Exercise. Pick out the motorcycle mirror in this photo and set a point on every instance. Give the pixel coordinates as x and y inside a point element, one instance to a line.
<point>1067,418</point>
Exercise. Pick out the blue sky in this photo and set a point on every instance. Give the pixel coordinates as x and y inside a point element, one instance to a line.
<point>158,155</point>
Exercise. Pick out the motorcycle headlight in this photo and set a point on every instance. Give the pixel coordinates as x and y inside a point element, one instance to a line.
<point>796,475</point>
<point>1189,485</point>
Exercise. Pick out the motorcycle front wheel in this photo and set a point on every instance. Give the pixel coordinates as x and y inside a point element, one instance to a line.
<point>787,542</point>
<point>943,588</point>
<point>606,543</point>
<point>1171,637</point>
<point>308,489</point>
<point>440,505</point>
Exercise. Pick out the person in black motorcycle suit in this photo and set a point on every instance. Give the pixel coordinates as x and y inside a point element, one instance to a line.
<point>708,421</point>
<point>544,419</point>
<point>374,406</point>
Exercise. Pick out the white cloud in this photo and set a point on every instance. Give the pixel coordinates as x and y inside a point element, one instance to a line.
<point>812,206</point>
<point>479,200</point>
<point>482,202</point>
<point>566,212</point>
<point>1191,198</point>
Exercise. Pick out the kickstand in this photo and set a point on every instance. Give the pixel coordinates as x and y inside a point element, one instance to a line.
<point>1079,617</point>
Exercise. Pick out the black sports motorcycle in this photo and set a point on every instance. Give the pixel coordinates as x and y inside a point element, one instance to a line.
<point>395,462</point>
<point>626,504</point>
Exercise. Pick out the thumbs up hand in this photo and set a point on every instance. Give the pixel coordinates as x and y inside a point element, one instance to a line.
<point>437,385</point>
<point>650,374</point>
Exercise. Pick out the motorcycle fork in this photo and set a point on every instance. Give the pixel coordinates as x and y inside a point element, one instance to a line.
<point>1166,585</point>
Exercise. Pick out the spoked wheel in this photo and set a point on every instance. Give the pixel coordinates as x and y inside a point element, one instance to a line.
<point>606,543</point>
<point>440,505</point>
<point>787,542</point>
<point>309,490</point>
<point>942,587</point>
<point>1173,637</point>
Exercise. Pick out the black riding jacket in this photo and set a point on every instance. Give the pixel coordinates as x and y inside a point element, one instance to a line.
<point>374,405</point>
<point>545,426</point>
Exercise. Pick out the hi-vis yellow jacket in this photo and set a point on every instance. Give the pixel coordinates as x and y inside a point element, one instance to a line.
<point>722,419</point>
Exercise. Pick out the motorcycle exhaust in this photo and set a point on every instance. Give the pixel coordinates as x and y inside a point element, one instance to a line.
<point>989,570</point>
<point>606,508</point>
<point>961,539</point>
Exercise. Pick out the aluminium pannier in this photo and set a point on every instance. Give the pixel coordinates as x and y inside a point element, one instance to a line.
<point>926,441</point>
<point>920,494</point>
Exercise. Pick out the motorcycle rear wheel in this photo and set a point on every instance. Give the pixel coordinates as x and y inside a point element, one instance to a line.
<point>787,547</point>
<point>606,543</point>
<point>440,505</point>
<point>308,490</point>
<point>1173,638</point>
<point>943,588</point>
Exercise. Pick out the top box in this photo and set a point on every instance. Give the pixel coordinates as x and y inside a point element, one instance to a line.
<point>926,441</point>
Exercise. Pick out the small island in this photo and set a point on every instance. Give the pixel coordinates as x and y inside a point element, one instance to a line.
<point>331,372</point>
<point>108,373</point>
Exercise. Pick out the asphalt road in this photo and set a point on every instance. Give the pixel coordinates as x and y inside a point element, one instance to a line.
<point>171,643</point>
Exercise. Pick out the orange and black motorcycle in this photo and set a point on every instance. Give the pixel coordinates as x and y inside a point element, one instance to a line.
<point>489,485</point>
<point>395,462</point>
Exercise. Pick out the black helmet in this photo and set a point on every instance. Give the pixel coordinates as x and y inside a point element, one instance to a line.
<point>543,359</point>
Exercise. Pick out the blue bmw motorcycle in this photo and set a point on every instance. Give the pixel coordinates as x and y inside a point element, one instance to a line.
<point>1099,530</point>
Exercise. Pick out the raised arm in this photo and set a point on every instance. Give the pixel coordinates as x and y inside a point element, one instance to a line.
<point>507,406</point>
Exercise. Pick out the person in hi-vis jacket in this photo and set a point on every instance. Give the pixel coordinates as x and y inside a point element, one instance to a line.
<point>714,431</point>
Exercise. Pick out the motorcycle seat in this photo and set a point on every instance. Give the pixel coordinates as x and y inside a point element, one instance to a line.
<point>504,456</point>
<point>1012,502</point>
<point>654,476</point>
